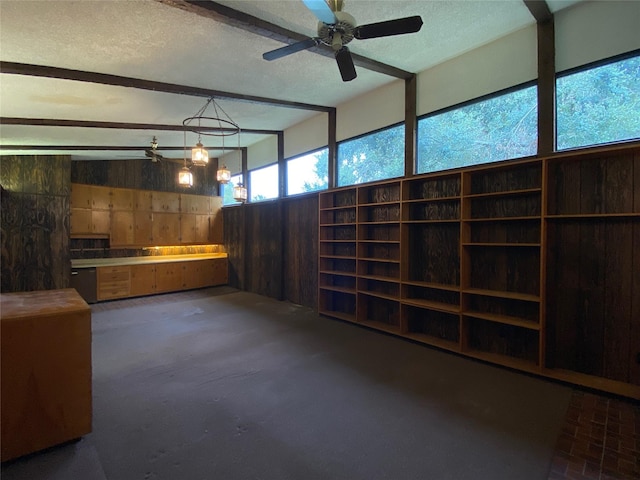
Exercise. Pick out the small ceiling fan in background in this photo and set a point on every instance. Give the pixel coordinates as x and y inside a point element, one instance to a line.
<point>337,28</point>
<point>152,152</point>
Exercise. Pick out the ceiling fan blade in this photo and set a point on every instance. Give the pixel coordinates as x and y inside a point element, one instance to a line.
<point>345,64</point>
<point>321,10</point>
<point>289,49</point>
<point>388,28</point>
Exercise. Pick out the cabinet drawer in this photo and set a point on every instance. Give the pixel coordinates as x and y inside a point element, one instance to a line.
<point>110,274</point>
<point>111,290</point>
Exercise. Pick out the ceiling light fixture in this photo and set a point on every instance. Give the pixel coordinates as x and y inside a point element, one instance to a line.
<point>223,175</point>
<point>219,125</point>
<point>240,193</point>
<point>185,177</point>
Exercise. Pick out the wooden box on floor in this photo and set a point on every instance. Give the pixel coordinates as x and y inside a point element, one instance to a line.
<point>46,370</point>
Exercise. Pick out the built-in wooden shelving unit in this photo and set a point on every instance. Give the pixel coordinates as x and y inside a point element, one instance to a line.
<point>510,263</point>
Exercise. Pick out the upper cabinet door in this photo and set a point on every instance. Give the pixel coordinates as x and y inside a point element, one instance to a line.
<point>100,198</point>
<point>122,199</point>
<point>165,202</point>
<point>80,196</point>
<point>143,200</point>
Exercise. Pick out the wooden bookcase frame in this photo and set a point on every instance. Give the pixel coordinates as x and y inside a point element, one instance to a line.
<point>460,259</point>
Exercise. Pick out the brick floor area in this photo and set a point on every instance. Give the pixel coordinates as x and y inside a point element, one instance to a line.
<point>600,440</point>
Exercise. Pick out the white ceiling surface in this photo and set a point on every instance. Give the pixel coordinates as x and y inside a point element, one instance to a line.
<point>153,41</point>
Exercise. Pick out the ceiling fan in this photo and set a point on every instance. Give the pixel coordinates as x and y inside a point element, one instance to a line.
<point>152,152</point>
<point>337,28</point>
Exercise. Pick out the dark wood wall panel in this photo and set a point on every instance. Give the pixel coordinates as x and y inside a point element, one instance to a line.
<point>263,248</point>
<point>35,222</point>
<point>273,248</point>
<point>143,175</point>
<point>301,251</point>
<point>234,242</point>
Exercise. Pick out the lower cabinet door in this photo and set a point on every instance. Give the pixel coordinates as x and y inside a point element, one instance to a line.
<point>169,277</point>
<point>143,280</point>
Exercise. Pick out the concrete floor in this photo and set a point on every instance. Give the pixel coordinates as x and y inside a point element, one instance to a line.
<point>221,384</point>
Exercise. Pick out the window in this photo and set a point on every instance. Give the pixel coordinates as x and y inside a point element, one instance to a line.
<point>371,157</point>
<point>264,183</point>
<point>308,173</point>
<point>227,190</point>
<point>489,130</point>
<point>599,105</point>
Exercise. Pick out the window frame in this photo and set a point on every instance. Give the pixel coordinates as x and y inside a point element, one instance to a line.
<point>584,68</point>
<point>367,134</point>
<point>286,164</point>
<point>249,183</point>
<point>466,103</point>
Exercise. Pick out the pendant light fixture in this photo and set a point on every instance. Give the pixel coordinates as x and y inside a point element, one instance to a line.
<point>218,125</point>
<point>199,155</point>
<point>240,193</point>
<point>223,175</point>
<point>185,177</point>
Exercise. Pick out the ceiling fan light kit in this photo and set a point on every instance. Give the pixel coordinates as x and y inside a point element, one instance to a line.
<point>337,28</point>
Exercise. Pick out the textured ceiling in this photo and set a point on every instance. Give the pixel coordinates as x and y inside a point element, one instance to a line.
<point>150,40</point>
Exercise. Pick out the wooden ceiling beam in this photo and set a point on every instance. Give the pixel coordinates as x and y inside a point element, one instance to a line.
<point>53,122</point>
<point>109,148</point>
<point>120,81</point>
<point>539,9</point>
<point>249,23</point>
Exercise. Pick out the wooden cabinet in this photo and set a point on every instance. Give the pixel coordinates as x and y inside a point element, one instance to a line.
<point>192,275</point>
<point>80,196</point>
<point>187,228</point>
<point>143,200</point>
<point>122,231</point>
<point>100,198</point>
<point>531,264</point>
<point>168,277</point>
<point>165,202</point>
<point>145,218</point>
<point>195,204</point>
<point>143,228</point>
<point>113,282</point>
<point>143,280</point>
<point>166,229</point>
<point>122,199</point>
<point>80,221</point>
<point>217,271</point>
<point>202,229</point>
<point>84,218</point>
<point>46,370</point>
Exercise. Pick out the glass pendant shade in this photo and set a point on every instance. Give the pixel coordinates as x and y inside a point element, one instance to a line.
<point>185,177</point>
<point>223,175</point>
<point>240,193</point>
<point>199,155</point>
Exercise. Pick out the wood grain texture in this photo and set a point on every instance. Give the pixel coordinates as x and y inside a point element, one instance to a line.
<point>301,250</point>
<point>35,223</point>
<point>617,299</point>
<point>634,331</point>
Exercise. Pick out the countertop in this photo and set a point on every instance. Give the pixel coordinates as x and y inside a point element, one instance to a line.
<point>112,262</point>
<point>19,305</point>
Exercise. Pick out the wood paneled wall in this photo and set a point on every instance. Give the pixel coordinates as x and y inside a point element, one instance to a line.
<point>35,222</point>
<point>593,281</point>
<point>143,175</point>
<point>273,249</point>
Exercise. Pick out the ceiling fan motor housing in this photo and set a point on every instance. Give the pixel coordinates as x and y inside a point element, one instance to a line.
<point>338,34</point>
